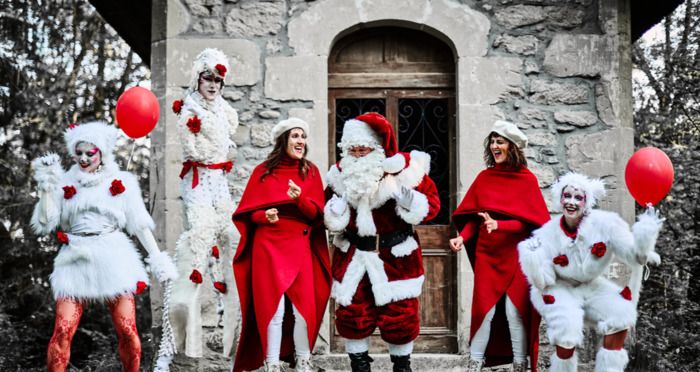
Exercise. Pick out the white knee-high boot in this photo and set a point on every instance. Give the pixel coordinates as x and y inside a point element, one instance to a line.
<point>563,365</point>
<point>611,360</point>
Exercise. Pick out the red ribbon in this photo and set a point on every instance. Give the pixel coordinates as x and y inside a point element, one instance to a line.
<point>194,165</point>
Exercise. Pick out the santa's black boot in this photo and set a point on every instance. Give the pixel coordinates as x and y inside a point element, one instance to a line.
<point>360,362</point>
<point>402,363</point>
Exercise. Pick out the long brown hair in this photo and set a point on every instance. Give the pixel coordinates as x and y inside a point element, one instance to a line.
<point>280,151</point>
<point>515,158</point>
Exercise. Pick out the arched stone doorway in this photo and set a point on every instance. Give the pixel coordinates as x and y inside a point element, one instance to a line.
<point>408,76</point>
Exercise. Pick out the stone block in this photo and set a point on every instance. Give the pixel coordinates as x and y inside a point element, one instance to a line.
<point>520,15</point>
<point>529,115</point>
<point>233,95</point>
<point>544,173</point>
<point>242,136</point>
<point>531,67</point>
<point>208,26</point>
<point>261,135</point>
<point>541,139</point>
<point>524,45</point>
<point>243,55</point>
<point>256,19</point>
<point>579,119</point>
<point>550,93</point>
<point>487,80</point>
<point>604,106</point>
<point>253,154</point>
<point>566,17</point>
<point>578,55</point>
<point>269,114</point>
<point>178,18</point>
<point>597,154</point>
<point>312,32</point>
<point>296,78</point>
<point>466,28</point>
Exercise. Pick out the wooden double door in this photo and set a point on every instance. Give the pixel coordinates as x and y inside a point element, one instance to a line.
<point>407,76</point>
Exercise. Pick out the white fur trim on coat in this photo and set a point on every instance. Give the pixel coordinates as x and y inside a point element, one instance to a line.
<point>611,360</point>
<point>404,248</point>
<point>418,211</point>
<point>563,365</point>
<point>340,242</point>
<point>394,164</point>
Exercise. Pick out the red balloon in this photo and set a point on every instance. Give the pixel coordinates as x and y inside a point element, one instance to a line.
<point>137,112</point>
<point>649,175</point>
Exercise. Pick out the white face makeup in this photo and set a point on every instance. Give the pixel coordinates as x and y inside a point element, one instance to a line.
<point>296,143</point>
<point>359,151</point>
<point>87,156</point>
<point>209,85</point>
<point>499,149</point>
<point>573,203</point>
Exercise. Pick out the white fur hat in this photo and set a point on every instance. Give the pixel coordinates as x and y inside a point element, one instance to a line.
<point>288,124</point>
<point>594,188</point>
<point>358,133</point>
<point>510,131</point>
<point>99,133</point>
<point>210,60</point>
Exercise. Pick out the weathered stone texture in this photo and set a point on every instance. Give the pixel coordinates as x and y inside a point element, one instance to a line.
<point>208,26</point>
<point>579,119</point>
<point>604,106</point>
<point>525,45</point>
<point>549,93</point>
<point>243,56</point>
<point>261,135</point>
<point>249,153</point>
<point>520,15</point>
<point>544,173</point>
<point>488,79</point>
<point>541,139</point>
<point>242,135</point>
<point>233,95</point>
<point>256,19</point>
<point>296,78</point>
<point>269,114</point>
<point>578,55</point>
<point>565,17</point>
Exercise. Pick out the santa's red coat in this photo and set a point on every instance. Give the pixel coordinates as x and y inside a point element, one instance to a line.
<point>506,195</point>
<point>289,257</point>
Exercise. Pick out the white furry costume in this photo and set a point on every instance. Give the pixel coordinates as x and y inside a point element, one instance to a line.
<point>98,261</point>
<point>567,275</point>
<point>208,150</point>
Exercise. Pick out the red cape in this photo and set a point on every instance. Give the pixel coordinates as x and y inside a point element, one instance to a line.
<point>505,194</point>
<point>262,195</point>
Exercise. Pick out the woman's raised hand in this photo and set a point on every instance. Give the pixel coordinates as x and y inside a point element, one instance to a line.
<point>490,223</point>
<point>294,191</point>
<point>271,215</point>
<point>457,243</point>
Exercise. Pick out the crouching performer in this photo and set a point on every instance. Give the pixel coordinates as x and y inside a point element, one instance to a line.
<point>375,197</point>
<point>566,260</point>
<point>89,206</point>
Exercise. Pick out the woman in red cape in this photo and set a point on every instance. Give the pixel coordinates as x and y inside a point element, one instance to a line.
<point>500,209</point>
<point>282,266</point>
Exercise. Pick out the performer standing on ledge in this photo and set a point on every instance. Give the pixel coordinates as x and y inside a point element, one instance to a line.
<point>89,206</point>
<point>206,126</point>
<point>281,265</point>
<point>566,260</point>
<point>376,196</point>
<point>501,207</point>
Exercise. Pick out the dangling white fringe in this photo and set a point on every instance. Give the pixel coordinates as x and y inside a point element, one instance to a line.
<point>166,349</point>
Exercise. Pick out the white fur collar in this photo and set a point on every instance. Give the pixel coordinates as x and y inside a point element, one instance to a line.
<point>85,179</point>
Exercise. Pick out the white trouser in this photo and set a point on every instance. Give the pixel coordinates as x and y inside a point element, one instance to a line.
<point>274,335</point>
<point>362,345</point>
<point>517,334</point>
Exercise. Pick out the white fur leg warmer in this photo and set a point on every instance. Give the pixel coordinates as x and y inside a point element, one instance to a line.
<point>563,365</point>
<point>611,360</point>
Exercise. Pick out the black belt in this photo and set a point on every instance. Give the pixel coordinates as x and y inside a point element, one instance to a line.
<point>372,243</point>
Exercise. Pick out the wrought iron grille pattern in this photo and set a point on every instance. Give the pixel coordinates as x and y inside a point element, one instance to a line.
<point>346,109</point>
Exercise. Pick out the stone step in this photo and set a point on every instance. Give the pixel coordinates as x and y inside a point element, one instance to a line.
<point>382,363</point>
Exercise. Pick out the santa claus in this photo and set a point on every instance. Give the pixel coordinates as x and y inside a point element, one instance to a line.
<point>375,197</point>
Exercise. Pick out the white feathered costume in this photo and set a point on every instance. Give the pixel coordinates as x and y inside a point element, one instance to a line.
<point>97,261</point>
<point>568,274</point>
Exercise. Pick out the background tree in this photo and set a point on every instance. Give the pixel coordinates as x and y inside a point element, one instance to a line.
<point>667,116</point>
<point>59,63</point>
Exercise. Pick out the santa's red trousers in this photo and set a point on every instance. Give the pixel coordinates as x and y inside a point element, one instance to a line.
<point>398,321</point>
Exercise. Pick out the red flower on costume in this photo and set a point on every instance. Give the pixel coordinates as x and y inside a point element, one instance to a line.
<point>626,294</point>
<point>220,286</point>
<point>177,106</point>
<point>140,287</point>
<point>599,249</point>
<point>548,299</point>
<point>221,69</point>
<point>196,277</point>
<point>215,252</point>
<point>194,124</point>
<point>69,192</point>
<point>62,237</point>
<point>72,125</point>
<point>561,260</point>
<point>117,187</point>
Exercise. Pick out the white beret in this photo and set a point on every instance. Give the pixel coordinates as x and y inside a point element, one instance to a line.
<point>288,124</point>
<point>510,131</point>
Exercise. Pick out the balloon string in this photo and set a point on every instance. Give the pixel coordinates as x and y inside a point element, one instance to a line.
<point>131,154</point>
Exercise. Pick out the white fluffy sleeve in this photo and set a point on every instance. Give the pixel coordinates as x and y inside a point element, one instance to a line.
<point>47,211</point>
<point>537,267</point>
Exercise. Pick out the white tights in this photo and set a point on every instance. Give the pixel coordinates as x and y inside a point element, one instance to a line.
<point>274,335</point>
<point>517,334</point>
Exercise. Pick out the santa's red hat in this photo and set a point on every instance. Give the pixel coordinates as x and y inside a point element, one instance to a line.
<point>371,130</point>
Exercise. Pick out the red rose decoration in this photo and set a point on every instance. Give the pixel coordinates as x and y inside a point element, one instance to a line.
<point>626,294</point>
<point>561,260</point>
<point>117,187</point>
<point>599,249</point>
<point>62,237</point>
<point>69,192</point>
<point>221,69</point>
<point>196,277</point>
<point>220,286</point>
<point>177,106</point>
<point>72,125</point>
<point>548,299</point>
<point>194,124</point>
<point>215,252</point>
<point>140,287</point>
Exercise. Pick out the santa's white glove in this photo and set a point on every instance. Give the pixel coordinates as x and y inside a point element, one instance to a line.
<point>162,265</point>
<point>47,171</point>
<point>404,198</point>
<point>338,205</point>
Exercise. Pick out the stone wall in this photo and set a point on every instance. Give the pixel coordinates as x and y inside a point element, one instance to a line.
<point>560,69</point>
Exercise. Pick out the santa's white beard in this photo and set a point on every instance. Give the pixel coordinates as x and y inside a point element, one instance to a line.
<point>361,176</point>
